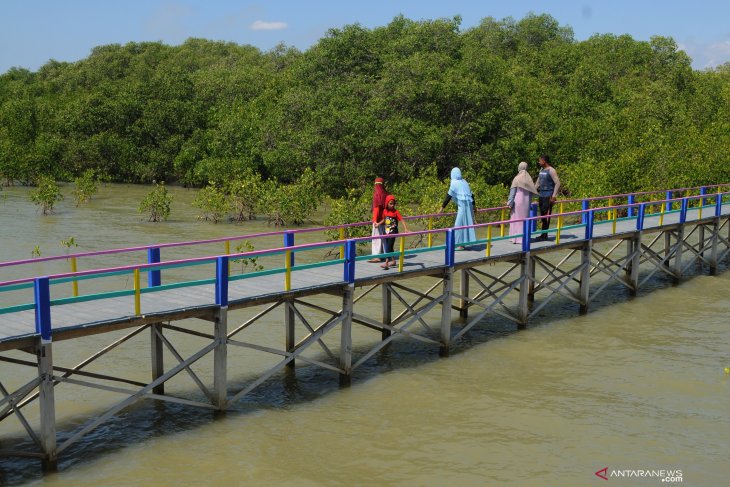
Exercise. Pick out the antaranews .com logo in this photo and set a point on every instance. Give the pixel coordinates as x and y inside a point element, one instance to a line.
<point>665,475</point>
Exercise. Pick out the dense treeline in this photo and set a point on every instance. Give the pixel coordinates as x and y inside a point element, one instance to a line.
<point>403,100</point>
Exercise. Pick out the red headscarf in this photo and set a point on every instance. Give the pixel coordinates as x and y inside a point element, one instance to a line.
<point>379,194</point>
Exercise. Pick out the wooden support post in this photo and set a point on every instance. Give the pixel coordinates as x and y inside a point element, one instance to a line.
<point>291,339</point>
<point>464,291</point>
<point>585,275</point>
<point>531,282</point>
<point>701,236</point>
<point>667,243</point>
<point>220,359</point>
<point>154,279</point>
<point>446,313</point>
<point>714,245</point>
<point>629,249</point>
<point>387,302</point>
<point>633,275</point>
<point>346,335</point>
<point>47,404</point>
<point>526,275</point>
<point>158,364</point>
<point>677,267</point>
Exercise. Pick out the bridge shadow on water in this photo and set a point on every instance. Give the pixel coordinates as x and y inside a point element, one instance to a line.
<point>147,420</point>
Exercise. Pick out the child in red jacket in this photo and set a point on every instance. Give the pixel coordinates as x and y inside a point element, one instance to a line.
<point>391,217</point>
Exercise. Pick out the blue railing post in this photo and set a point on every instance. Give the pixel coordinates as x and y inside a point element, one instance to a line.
<point>289,242</point>
<point>154,277</point>
<point>683,210</point>
<point>42,293</point>
<point>450,250</point>
<point>350,257</point>
<point>669,203</point>
<point>589,225</point>
<point>585,206</point>
<point>533,212</point>
<point>718,204</point>
<point>640,217</point>
<point>526,224</point>
<point>632,200</point>
<point>221,281</point>
<point>703,191</point>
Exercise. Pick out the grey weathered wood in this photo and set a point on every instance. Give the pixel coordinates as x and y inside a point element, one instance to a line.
<point>531,279</point>
<point>446,313</point>
<point>220,359</point>
<point>290,338</point>
<point>714,245</point>
<point>464,292</point>
<point>585,277</point>
<point>701,247</point>
<point>677,267</point>
<point>387,310</point>
<point>133,398</point>
<point>156,358</point>
<point>526,283</point>
<point>634,245</point>
<point>47,404</point>
<point>346,335</point>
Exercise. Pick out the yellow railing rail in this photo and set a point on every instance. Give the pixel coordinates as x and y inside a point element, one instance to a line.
<point>137,293</point>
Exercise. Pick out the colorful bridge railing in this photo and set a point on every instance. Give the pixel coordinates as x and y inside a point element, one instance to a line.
<point>587,217</point>
<point>664,205</point>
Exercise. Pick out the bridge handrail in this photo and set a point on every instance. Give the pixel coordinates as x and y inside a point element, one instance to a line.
<point>42,296</point>
<point>334,227</point>
<point>338,243</point>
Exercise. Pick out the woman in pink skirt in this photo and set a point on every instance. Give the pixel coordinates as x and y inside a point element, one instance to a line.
<point>520,194</point>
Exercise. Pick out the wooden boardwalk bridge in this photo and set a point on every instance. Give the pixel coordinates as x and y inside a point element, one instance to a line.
<point>621,240</point>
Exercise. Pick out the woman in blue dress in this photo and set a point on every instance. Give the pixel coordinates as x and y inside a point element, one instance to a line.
<point>460,192</point>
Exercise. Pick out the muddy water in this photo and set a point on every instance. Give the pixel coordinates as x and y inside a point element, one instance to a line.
<point>635,385</point>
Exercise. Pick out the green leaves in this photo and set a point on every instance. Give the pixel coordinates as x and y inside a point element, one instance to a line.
<point>86,186</point>
<point>213,203</point>
<point>394,101</point>
<point>46,194</point>
<point>157,203</point>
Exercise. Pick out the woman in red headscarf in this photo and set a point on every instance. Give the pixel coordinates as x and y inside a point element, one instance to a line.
<point>379,195</point>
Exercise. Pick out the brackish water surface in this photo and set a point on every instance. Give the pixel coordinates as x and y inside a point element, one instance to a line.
<point>636,384</point>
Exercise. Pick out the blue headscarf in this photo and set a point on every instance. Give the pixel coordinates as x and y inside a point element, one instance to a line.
<point>459,189</point>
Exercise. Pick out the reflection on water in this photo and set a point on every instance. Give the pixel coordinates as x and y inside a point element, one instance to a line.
<point>634,384</point>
